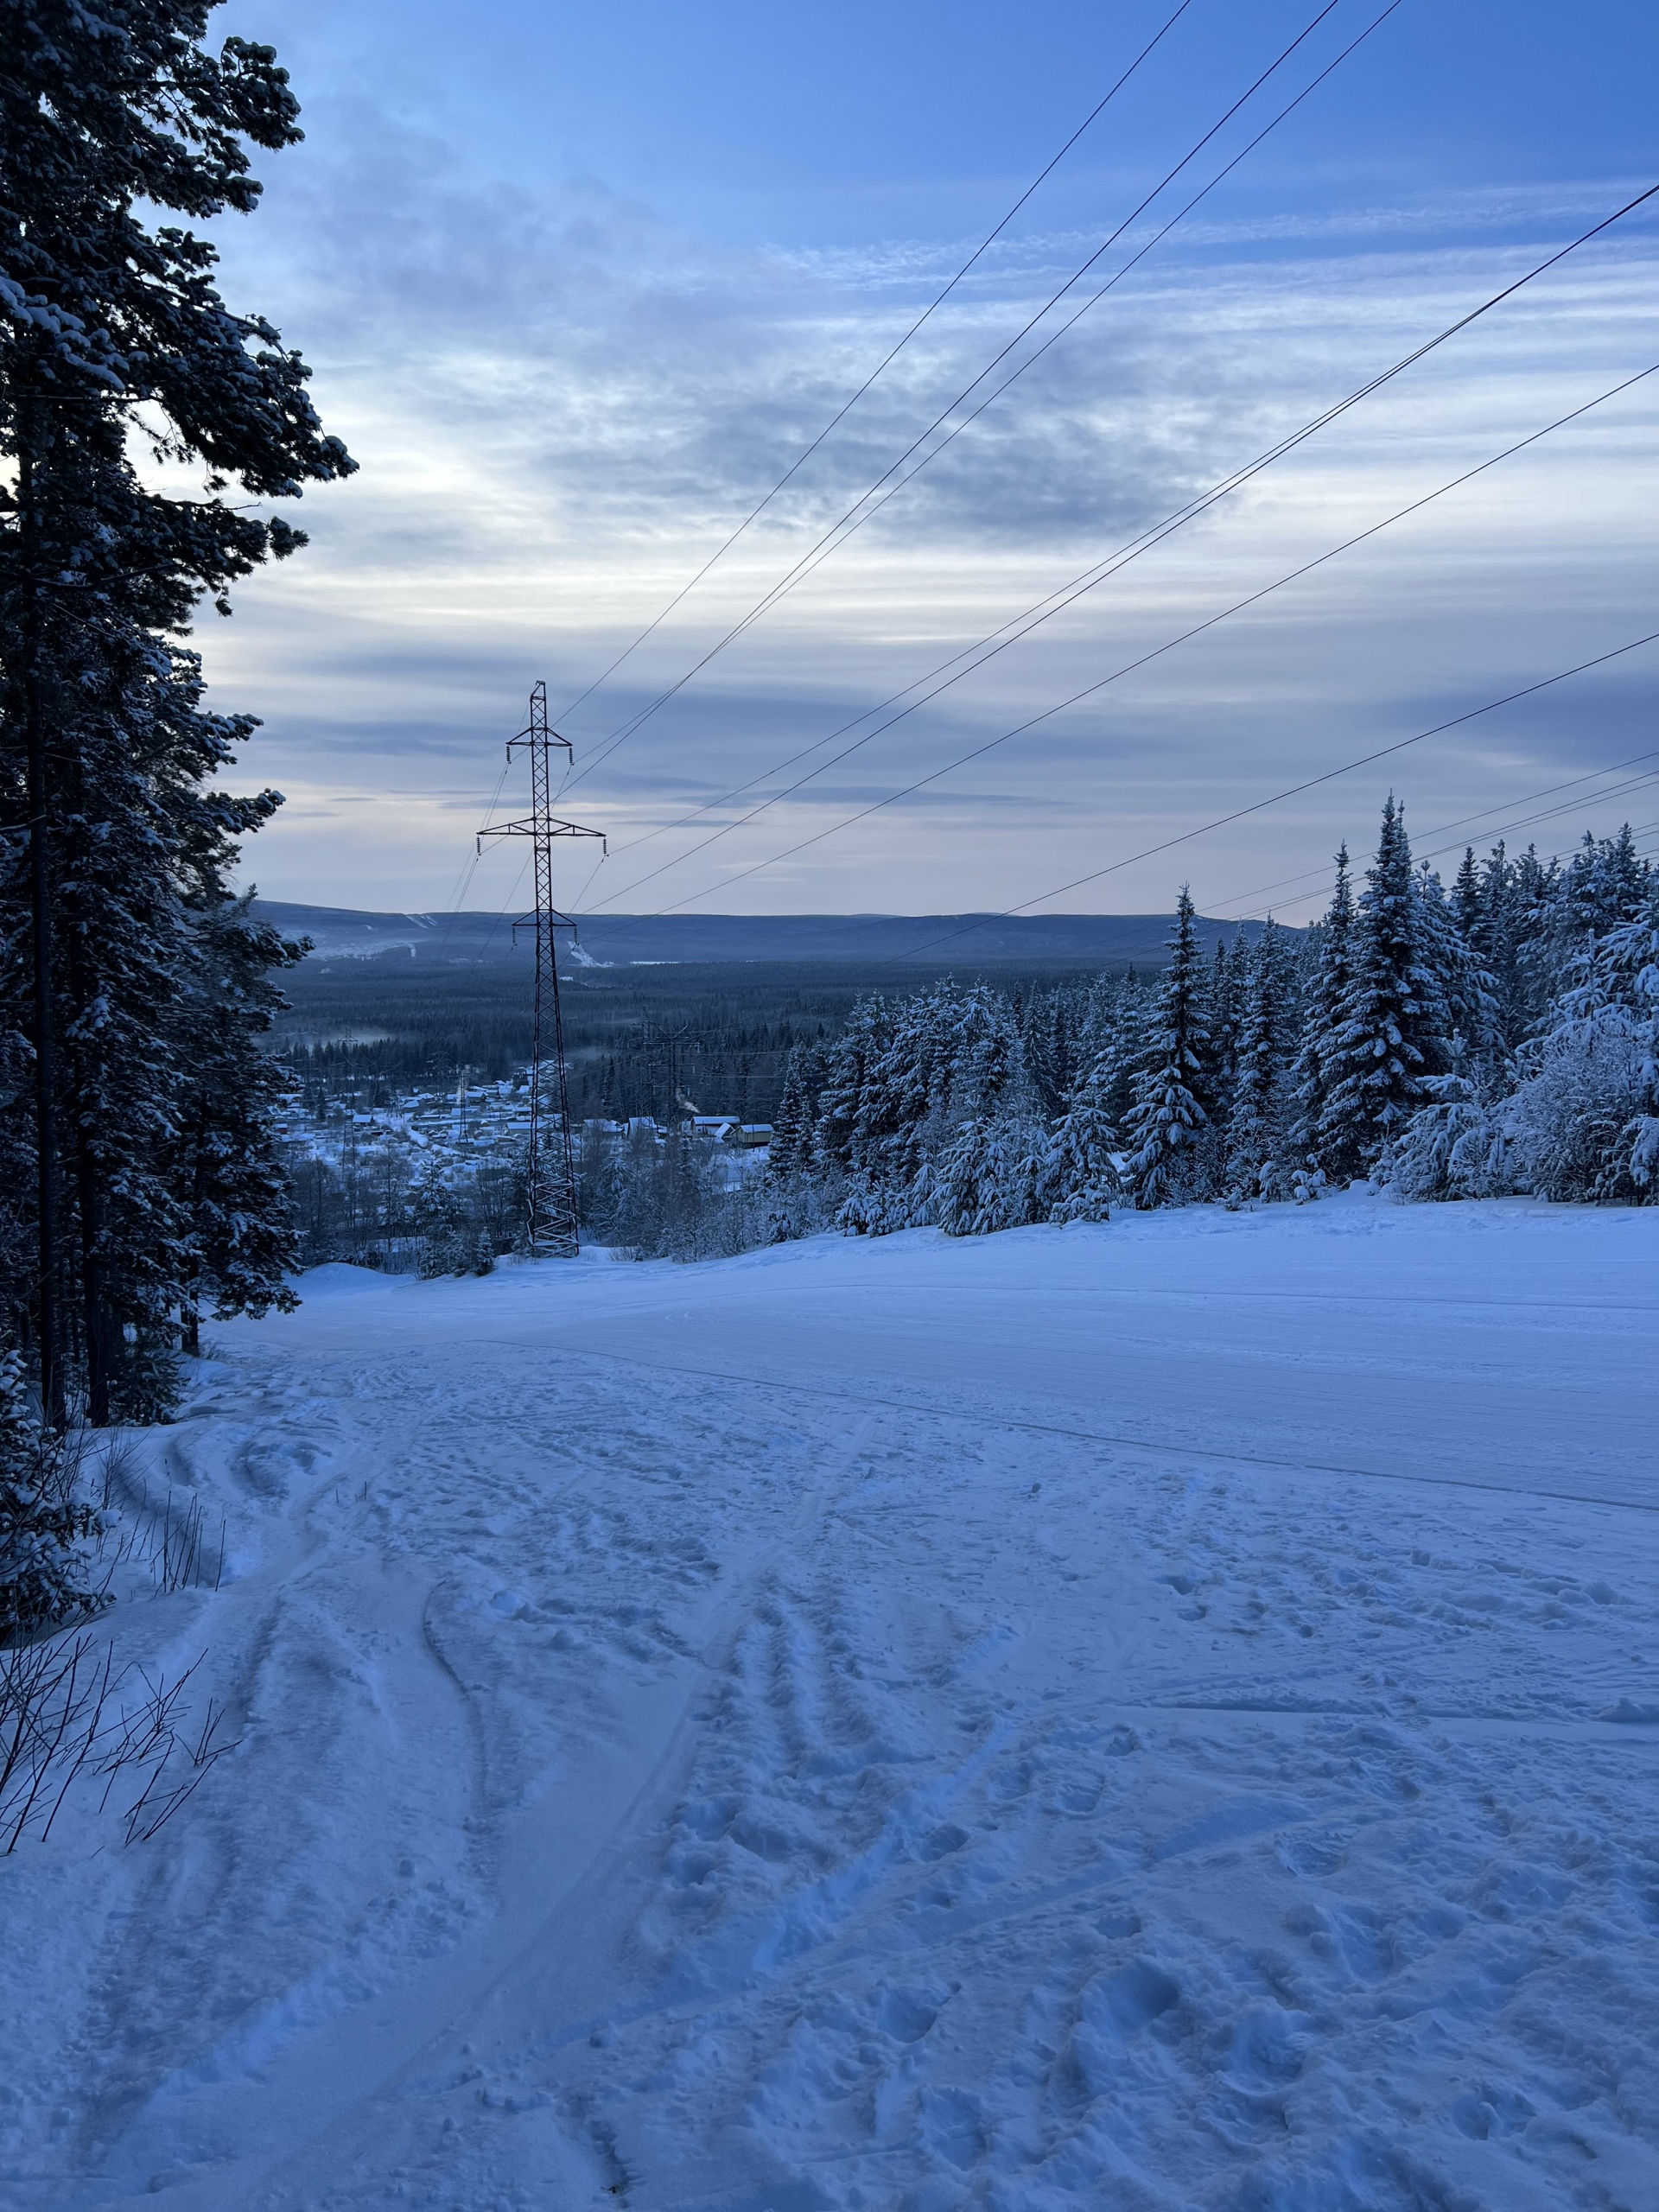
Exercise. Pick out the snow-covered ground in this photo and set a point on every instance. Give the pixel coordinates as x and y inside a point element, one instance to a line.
<point>1162,1714</point>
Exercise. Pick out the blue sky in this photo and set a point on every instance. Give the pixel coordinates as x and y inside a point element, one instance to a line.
<point>579,284</point>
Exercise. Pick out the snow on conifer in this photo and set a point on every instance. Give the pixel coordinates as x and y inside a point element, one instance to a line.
<point>1175,1086</point>
<point>1080,1180</point>
<point>1390,1035</point>
<point>1260,1122</point>
<point>1313,1076</point>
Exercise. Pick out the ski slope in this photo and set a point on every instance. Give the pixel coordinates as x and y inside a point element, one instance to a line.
<point>1154,1715</point>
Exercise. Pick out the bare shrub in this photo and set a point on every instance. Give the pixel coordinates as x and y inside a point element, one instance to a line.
<point>69,1715</point>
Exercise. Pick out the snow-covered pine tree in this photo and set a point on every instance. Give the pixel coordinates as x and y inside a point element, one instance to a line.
<point>844,1100</point>
<point>1464,897</point>
<point>111,327</point>
<point>1051,1037</point>
<point>1229,988</point>
<point>1120,1017</point>
<point>1584,1121</point>
<point>1327,965</point>
<point>1390,1039</point>
<point>439,1219</point>
<point>988,1177</point>
<point>1465,1013</point>
<point>1604,886</point>
<point>1174,1085</point>
<point>1079,1179</point>
<point>790,1124</point>
<point>1259,1160</point>
<point>908,1090</point>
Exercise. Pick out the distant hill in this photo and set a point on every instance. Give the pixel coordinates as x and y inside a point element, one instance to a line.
<point>469,940</point>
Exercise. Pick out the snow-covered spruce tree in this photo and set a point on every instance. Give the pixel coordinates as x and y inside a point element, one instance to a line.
<point>1174,1083</point>
<point>45,1530</point>
<point>843,1101</point>
<point>989,1177</point>
<point>790,1125</point>
<point>1584,1121</point>
<point>1480,906</point>
<point>1568,910</point>
<point>1391,1036</point>
<point>1079,1179</point>
<point>1604,886</point>
<point>1119,1015</point>
<point>1052,1034</point>
<point>908,1087</point>
<point>1467,994</point>
<point>1259,1160</point>
<point>1319,1154</point>
<point>1453,1149</point>
<point>793,1200</point>
<point>106,117</point>
<point>438,1216</point>
<point>1229,988</point>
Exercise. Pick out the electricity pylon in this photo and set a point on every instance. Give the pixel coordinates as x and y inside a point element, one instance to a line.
<point>551,1178</point>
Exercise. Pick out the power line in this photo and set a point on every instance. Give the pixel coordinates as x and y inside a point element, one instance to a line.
<point>1065,596</point>
<point>851,520</point>
<point>1294,791</point>
<point>1316,876</point>
<point>1426,852</point>
<point>464,881</point>
<point>1142,660</point>
<point>1058,601</point>
<point>886,361</point>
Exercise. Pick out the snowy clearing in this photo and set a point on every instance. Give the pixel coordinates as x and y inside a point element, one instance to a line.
<point>1162,1714</point>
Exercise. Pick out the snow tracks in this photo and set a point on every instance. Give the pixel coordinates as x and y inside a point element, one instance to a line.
<point>689,1793</point>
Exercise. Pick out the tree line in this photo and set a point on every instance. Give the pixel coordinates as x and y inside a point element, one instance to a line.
<point>1500,1036</point>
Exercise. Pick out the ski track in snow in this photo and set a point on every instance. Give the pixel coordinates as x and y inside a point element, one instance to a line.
<point>689,1762</point>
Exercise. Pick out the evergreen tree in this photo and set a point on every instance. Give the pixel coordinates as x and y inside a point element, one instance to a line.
<point>228,1167</point>
<point>790,1125</point>
<point>111,327</point>
<point>1584,1121</point>
<point>1119,1020</point>
<point>1465,999</point>
<point>987,1176</point>
<point>1174,1085</point>
<point>1390,1038</point>
<point>1316,1150</point>
<point>1259,1126</point>
<point>1229,988</point>
<point>844,1101</point>
<point>1079,1179</point>
<point>439,1219</point>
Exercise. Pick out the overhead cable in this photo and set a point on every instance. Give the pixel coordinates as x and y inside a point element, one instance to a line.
<point>854,515</point>
<point>886,362</point>
<point>1142,660</point>
<point>1293,790</point>
<point>1316,877</point>
<point>1065,596</point>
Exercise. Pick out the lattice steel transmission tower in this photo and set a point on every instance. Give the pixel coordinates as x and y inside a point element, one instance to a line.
<point>550,1181</point>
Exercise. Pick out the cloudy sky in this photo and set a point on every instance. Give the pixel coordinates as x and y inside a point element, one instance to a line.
<point>579,284</point>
